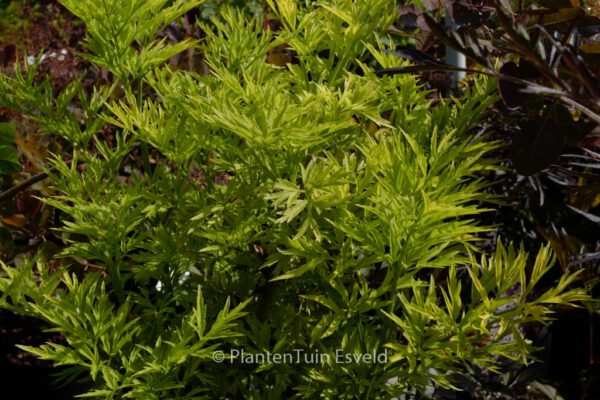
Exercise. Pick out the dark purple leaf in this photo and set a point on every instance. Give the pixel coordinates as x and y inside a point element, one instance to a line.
<point>539,143</point>
<point>27,203</point>
<point>407,15</point>
<point>467,14</point>
<point>557,4</point>
<point>588,26</point>
<point>510,92</point>
<point>527,70</point>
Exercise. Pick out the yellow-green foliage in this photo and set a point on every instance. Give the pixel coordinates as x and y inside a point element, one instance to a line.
<point>347,222</point>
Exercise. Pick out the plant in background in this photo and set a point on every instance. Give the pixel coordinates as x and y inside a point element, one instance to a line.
<point>312,206</point>
<point>546,54</point>
<point>549,69</point>
<point>549,87</point>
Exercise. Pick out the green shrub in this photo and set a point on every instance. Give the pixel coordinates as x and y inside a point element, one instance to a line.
<point>313,207</point>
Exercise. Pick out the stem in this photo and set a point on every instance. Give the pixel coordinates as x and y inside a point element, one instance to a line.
<point>23,185</point>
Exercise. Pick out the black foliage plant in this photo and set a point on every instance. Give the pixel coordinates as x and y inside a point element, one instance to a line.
<point>549,69</point>
<point>545,56</point>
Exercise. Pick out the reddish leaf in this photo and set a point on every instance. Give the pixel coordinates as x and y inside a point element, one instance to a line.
<point>563,245</point>
<point>272,24</point>
<point>27,203</point>
<point>16,221</point>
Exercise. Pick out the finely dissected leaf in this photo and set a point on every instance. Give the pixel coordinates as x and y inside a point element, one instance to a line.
<point>240,205</point>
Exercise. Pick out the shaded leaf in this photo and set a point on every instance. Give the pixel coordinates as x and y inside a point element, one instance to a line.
<point>563,245</point>
<point>468,14</point>
<point>27,203</point>
<point>593,48</point>
<point>588,25</point>
<point>9,160</point>
<point>589,216</point>
<point>511,92</point>
<point>562,15</point>
<point>557,4</point>
<point>8,132</point>
<point>527,70</point>
<point>539,143</point>
<point>586,197</point>
<point>408,15</point>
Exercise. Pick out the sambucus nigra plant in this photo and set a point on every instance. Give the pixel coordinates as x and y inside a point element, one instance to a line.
<point>312,207</point>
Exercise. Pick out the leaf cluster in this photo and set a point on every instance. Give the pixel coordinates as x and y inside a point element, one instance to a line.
<point>309,206</point>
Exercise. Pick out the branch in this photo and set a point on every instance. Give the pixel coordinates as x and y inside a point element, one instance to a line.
<point>24,185</point>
